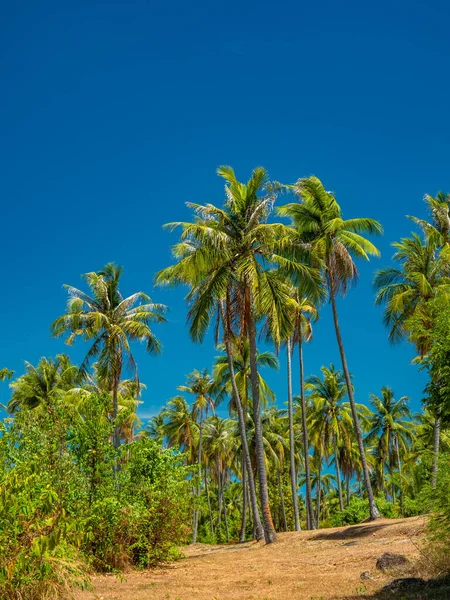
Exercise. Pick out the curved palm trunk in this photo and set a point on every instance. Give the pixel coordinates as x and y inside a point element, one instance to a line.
<point>199,462</point>
<point>436,444</point>
<point>373,510</point>
<point>338,472</point>
<point>244,502</point>
<point>259,534</point>
<point>269,529</point>
<point>309,504</point>
<point>292,469</point>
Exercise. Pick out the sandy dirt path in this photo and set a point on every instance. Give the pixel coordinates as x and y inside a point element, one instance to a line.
<point>321,565</point>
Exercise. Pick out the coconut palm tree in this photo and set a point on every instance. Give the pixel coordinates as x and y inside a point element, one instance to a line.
<point>241,364</point>
<point>155,428</point>
<point>438,231</point>
<point>390,429</point>
<point>224,382</point>
<point>305,313</point>
<point>318,220</point>
<point>201,385</point>
<point>220,445</point>
<point>406,292</point>
<point>331,418</point>
<point>180,429</point>
<point>6,374</point>
<point>109,322</point>
<point>41,386</point>
<point>227,257</point>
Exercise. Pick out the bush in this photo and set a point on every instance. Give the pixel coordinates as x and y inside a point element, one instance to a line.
<point>70,502</point>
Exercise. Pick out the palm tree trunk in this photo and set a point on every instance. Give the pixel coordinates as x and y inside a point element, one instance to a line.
<point>219,490</point>
<point>199,463</point>
<point>338,472</point>
<point>399,465</point>
<point>436,444</point>
<point>292,468</point>
<point>373,510</point>
<point>259,534</point>
<point>309,504</point>
<point>225,509</point>
<point>347,488</point>
<point>244,503</point>
<point>115,394</point>
<point>319,489</point>
<point>211,524</point>
<point>283,509</point>
<point>269,530</point>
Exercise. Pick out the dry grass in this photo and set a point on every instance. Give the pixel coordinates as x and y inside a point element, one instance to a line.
<point>321,565</point>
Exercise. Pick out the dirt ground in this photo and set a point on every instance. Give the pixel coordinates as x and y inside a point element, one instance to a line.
<point>322,565</point>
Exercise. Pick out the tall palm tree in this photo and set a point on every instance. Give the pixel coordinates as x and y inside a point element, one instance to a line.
<point>331,418</point>
<point>227,258</point>
<point>406,291</point>
<point>239,377</point>
<point>201,385</point>
<point>220,445</point>
<point>109,322</point>
<point>390,429</point>
<point>180,428</point>
<point>318,220</point>
<point>305,312</point>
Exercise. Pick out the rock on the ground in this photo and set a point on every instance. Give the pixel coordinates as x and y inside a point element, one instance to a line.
<point>388,561</point>
<point>404,583</point>
<point>366,575</point>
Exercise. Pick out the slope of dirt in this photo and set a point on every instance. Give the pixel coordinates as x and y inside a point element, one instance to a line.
<point>321,565</point>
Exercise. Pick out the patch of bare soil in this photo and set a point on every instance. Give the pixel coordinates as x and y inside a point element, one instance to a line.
<point>322,565</point>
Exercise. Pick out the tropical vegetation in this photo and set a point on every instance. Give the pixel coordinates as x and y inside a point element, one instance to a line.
<point>86,485</point>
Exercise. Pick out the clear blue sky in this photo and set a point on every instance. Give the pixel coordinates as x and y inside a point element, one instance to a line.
<point>113,115</point>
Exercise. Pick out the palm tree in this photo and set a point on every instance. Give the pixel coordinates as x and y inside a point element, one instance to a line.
<point>336,242</point>
<point>438,231</point>
<point>331,418</point>
<point>305,312</point>
<point>6,374</point>
<point>109,322</point>
<point>155,428</point>
<point>220,445</point>
<point>225,380</point>
<point>406,292</point>
<point>227,257</point>
<point>180,428</point>
<point>41,386</point>
<point>241,364</point>
<point>201,385</point>
<point>390,429</point>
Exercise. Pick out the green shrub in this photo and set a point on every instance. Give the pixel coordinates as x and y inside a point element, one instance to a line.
<point>70,502</point>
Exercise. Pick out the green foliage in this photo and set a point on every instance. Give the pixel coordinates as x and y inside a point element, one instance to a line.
<point>70,501</point>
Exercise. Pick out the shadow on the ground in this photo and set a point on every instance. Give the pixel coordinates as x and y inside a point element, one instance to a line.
<point>401,589</point>
<point>205,552</point>
<point>353,531</point>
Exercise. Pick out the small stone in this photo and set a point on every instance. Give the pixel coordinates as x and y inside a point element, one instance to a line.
<point>391,561</point>
<point>366,575</point>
